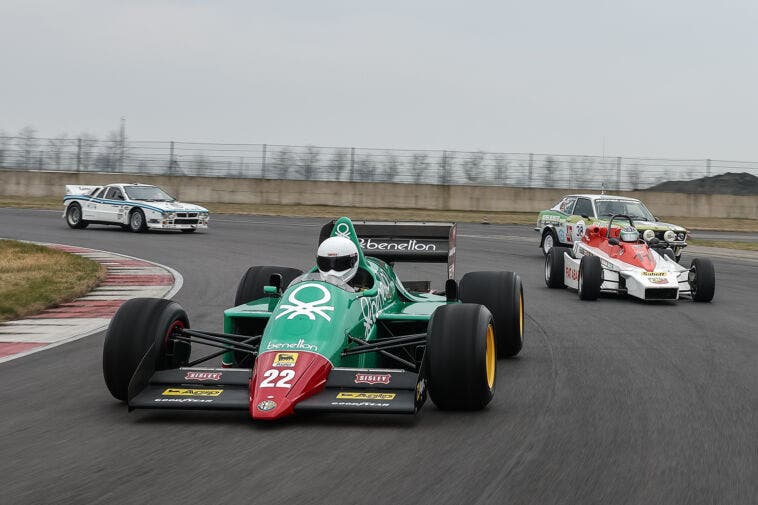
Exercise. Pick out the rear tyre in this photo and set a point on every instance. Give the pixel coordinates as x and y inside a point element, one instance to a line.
<point>251,288</point>
<point>554,266</point>
<point>461,357</point>
<point>590,277</point>
<point>503,295</point>
<point>549,240</point>
<point>137,221</point>
<point>74,216</point>
<point>251,285</point>
<point>702,280</point>
<point>140,330</point>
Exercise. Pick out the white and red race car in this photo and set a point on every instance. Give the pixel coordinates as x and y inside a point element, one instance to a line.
<point>619,262</point>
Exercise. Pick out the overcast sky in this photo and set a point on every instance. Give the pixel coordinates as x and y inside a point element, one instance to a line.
<point>644,77</point>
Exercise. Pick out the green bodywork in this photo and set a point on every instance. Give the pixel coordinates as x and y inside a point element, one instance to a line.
<point>318,316</point>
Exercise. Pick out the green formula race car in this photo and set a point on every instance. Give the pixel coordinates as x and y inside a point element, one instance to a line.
<point>565,223</point>
<point>310,342</point>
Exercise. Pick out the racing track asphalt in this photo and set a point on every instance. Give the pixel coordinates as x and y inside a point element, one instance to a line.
<point>609,402</point>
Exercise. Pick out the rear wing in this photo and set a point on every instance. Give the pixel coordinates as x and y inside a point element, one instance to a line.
<point>73,189</point>
<point>404,241</point>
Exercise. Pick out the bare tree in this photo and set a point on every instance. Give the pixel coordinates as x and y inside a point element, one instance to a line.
<point>419,166</point>
<point>87,144</point>
<point>338,165</point>
<point>309,162</point>
<point>550,167</point>
<point>27,145</point>
<point>473,167</point>
<point>633,175</point>
<point>501,169</point>
<point>55,149</point>
<point>282,162</point>
<point>5,142</point>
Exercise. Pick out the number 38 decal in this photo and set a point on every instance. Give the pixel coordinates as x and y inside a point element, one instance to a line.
<point>271,376</point>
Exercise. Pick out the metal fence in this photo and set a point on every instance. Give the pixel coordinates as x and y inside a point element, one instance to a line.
<point>355,164</point>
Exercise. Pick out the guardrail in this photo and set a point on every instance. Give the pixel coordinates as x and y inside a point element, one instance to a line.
<point>350,164</point>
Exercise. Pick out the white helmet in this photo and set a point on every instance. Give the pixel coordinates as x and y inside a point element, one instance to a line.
<point>629,234</point>
<point>338,256</point>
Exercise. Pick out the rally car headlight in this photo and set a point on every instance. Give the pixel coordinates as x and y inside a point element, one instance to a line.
<point>669,236</point>
<point>648,235</point>
<point>169,215</point>
<point>681,236</point>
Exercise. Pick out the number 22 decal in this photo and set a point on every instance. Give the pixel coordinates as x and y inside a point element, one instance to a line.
<point>284,377</point>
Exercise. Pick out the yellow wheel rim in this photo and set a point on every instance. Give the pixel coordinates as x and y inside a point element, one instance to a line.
<point>490,358</point>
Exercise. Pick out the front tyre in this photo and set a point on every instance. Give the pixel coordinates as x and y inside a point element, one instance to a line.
<point>549,240</point>
<point>461,357</point>
<point>74,216</point>
<point>554,266</point>
<point>139,330</point>
<point>137,221</point>
<point>503,295</point>
<point>702,280</point>
<point>590,277</point>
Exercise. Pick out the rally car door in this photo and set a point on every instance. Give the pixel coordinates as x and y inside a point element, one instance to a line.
<point>581,215</point>
<point>91,209</point>
<point>111,209</point>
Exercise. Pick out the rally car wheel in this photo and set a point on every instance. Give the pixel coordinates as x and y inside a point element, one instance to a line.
<point>702,280</point>
<point>74,216</point>
<point>590,277</point>
<point>503,295</point>
<point>137,222</point>
<point>549,240</point>
<point>554,265</point>
<point>140,331</point>
<point>461,352</point>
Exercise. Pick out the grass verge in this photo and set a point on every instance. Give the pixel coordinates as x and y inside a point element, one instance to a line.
<point>34,278</point>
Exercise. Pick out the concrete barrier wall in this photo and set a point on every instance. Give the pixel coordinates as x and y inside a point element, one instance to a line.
<point>363,194</point>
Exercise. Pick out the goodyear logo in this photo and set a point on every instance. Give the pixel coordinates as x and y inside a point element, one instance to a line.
<point>191,392</point>
<point>654,274</point>
<point>285,359</point>
<point>349,395</point>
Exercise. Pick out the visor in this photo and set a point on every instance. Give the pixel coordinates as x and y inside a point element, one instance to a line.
<point>336,263</point>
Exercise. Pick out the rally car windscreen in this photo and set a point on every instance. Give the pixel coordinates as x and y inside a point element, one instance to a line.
<point>634,209</point>
<point>147,194</point>
<point>329,279</point>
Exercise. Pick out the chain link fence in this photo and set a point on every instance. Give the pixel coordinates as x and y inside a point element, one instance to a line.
<point>355,164</point>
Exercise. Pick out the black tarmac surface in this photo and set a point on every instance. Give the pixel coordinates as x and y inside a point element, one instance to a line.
<point>610,402</point>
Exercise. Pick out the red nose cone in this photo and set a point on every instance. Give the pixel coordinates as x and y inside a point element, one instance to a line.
<point>282,379</point>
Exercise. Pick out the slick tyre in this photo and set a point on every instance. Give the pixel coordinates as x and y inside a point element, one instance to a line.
<point>462,357</point>
<point>590,277</point>
<point>251,285</point>
<point>554,265</point>
<point>669,253</point>
<point>503,295</point>
<point>140,331</point>
<point>549,240</point>
<point>74,217</point>
<point>137,221</point>
<point>702,280</point>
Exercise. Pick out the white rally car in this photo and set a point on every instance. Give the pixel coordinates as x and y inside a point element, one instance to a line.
<point>620,262</point>
<point>135,207</point>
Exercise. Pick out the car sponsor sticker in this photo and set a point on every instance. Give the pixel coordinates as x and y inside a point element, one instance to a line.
<point>373,378</point>
<point>300,345</point>
<point>191,392</point>
<point>203,376</point>
<point>659,280</point>
<point>360,404</point>
<point>356,395</point>
<point>654,274</point>
<point>396,245</point>
<point>183,400</point>
<point>303,307</point>
<point>285,359</point>
<point>266,405</point>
